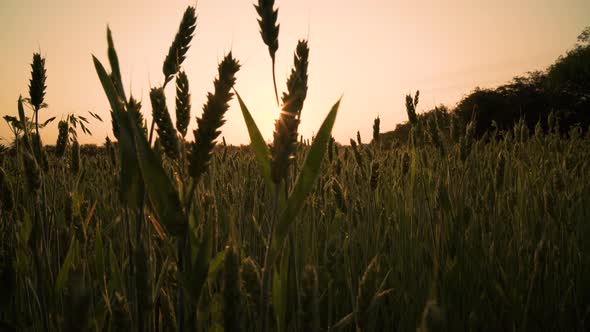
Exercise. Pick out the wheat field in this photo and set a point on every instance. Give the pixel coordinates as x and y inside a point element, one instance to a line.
<point>163,229</point>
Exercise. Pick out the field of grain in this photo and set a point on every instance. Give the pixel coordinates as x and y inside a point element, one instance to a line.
<point>162,230</point>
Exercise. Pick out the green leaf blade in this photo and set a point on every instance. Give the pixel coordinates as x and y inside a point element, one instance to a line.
<point>257,143</point>
<point>305,180</point>
<point>68,263</point>
<point>114,61</point>
<point>161,192</point>
<point>131,191</point>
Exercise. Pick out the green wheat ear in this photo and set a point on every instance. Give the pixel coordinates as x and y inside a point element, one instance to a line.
<point>251,281</point>
<point>180,45</point>
<point>75,158</point>
<point>269,30</point>
<point>183,103</point>
<point>376,130</point>
<point>32,172</point>
<point>212,118</point>
<point>111,151</point>
<point>166,131</point>
<point>285,134</point>
<point>37,83</point>
<point>62,138</point>
<point>134,109</point>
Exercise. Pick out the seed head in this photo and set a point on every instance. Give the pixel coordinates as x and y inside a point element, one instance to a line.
<point>32,172</point>
<point>435,136</point>
<point>180,45</point>
<point>285,134</point>
<point>376,130</point>
<point>411,104</point>
<point>134,109</point>
<point>405,163</point>
<point>111,151</point>
<point>75,158</point>
<point>166,130</point>
<point>339,196</point>
<point>357,154</point>
<point>269,29</point>
<point>251,281</point>
<point>374,175</point>
<point>37,83</point>
<point>330,149</point>
<point>62,138</point>
<point>183,103</point>
<point>212,118</point>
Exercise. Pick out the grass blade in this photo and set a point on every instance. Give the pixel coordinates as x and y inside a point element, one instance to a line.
<point>197,270</point>
<point>62,276</point>
<point>131,187</point>
<point>114,61</point>
<point>159,188</point>
<point>257,143</point>
<point>306,179</point>
<point>107,84</point>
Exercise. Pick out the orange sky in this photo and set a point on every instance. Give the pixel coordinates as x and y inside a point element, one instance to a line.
<point>372,51</point>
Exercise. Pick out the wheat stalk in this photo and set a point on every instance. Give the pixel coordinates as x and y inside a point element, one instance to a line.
<point>310,311</point>
<point>251,281</point>
<point>121,316</point>
<point>231,291</point>
<point>433,318</point>
<point>366,292</point>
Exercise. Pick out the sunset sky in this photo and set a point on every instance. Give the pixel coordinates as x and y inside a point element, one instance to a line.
<point>372,52</point>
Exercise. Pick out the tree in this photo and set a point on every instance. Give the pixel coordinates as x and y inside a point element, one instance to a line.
<point>584,37</point>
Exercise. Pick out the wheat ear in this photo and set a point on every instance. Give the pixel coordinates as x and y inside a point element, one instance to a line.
<point>269,30</point>
<point>212,118</point>
<point>180,45</point>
